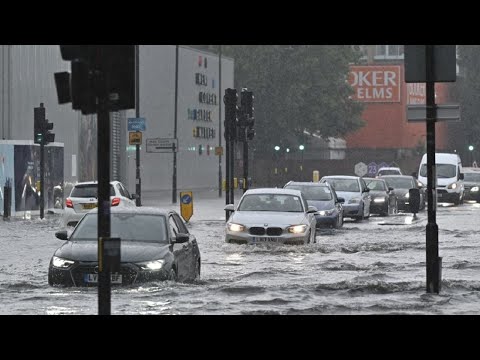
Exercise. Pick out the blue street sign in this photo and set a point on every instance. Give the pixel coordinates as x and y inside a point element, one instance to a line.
<point>136,124</point>
<point>186,199</point>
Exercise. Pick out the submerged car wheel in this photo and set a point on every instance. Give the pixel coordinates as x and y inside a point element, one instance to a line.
<point>197,270</point>
<point>173,274</point>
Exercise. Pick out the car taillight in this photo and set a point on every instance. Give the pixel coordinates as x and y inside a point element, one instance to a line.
<point>69,203</point>
<point>115,201</point>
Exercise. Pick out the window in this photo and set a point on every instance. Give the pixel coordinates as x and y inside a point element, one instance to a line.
<point>388,52</point>
<point>173,226</point>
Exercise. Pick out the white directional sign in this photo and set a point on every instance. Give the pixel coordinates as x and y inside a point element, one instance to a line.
<point>159,145</point>
<point>418,113</point>
<point>361,169</point>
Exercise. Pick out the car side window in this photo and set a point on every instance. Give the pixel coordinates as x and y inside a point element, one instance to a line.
<point>181,226</point>
<point>120,190</point>
<point>173,226</point>
<point>127,194</point>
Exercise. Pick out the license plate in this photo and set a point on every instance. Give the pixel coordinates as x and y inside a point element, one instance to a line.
<point>89,206</point>
<point>93,278</point>
<point>265,239</point>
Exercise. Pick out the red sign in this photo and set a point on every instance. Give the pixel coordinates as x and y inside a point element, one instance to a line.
<point>375,83</point>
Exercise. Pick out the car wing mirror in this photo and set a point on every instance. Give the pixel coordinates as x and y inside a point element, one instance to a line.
<point>229,207</point>
<point>62,235</point>
<point>461,176</point>
<point>181,238</point>
<point>340,200</point>
<point>312,209</point>
<point>390,188</point>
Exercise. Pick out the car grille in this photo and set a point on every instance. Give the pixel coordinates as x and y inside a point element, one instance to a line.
<point>271,231</point>
<point>442,191</point>
<point>257,231</point>
<point>128,271</point>
<point>274,231</point>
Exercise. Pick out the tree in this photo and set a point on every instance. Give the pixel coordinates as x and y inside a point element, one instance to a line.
<point>296,88</point>
<point>469,94</point>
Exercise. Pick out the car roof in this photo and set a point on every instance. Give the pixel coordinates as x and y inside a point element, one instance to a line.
<point>307,183</point>
<point>396,176</point>
<point>95,182</point>
<point>389,168</point>
<point>373,179</point>
<point>341,177</point>
<point>137,210</point>
<point>273,191</point>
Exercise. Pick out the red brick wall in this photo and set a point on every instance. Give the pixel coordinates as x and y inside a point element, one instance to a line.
<point>387,126</point>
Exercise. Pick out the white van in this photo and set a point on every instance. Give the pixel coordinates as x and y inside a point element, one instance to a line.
<point>450,186</point>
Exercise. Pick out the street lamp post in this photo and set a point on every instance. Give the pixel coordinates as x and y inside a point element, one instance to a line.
<point>470,148</point>
<point>301,148</point>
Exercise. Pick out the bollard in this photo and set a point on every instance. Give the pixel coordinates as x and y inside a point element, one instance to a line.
<point>7,199</point>
<point>316,176</point>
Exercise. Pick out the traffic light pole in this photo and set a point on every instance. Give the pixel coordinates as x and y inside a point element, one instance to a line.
<point>42,177</point>
<point>103,170</point>
<point>138,180</point>
<point>433,261</point>
<point>245,166</point>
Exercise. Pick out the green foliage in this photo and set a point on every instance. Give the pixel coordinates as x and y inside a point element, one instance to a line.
<point>469,91</point>
<point>296,88</point>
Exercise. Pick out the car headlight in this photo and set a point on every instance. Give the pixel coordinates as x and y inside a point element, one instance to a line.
<point>354,201</point>
<point>297,229</point>
<point>407,195</point>
<point>452,186</point>
<point>62,263</point>
<point>152,265</point>
<point>473,189</point>
<point>235,227</point>
<point>326,212</point>
<point>379,200</point>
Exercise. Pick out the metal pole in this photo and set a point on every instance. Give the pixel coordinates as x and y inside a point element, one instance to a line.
<point>433,279</point>
<point>103,170</point>
<point>227,164</point>
<point>232,167</point>
<point>220,119</point>
<point>42,173</point>
<point>138,180</point>
<point>245,166</point>
<point>174,176</point>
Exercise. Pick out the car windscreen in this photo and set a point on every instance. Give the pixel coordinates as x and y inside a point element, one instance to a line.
<point>311,192</point>
<point>271,202</point>
<point>88,191</point>
<point>473,177</point>
<point>389,172</point>
<point>376,185</point>
<point>400,183</point>
<point>347,185</point>
<point>126,226</point>
<point>443,170</point>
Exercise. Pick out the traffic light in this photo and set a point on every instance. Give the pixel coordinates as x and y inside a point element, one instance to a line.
<point>113,65</point>
<point>38,123</point>
<point>231,120</point>
<point>248,113</point>
<point>41,127</point>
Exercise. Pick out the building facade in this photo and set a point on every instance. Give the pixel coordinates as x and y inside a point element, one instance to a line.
<point>27,79</point>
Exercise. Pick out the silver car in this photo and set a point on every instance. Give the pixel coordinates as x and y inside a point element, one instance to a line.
<point>271,216</point>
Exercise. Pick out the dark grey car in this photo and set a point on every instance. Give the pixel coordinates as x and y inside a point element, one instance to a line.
<point>155,245</point>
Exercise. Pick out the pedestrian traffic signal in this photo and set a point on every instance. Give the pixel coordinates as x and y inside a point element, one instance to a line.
<point>231,110</point>
<point>47,135</point>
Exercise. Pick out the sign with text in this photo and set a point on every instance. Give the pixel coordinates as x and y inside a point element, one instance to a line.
<point>159,145</point>
<point>135,138</point>
<point>375,83</point>
<point>444,63</point>
<point>136,124</point>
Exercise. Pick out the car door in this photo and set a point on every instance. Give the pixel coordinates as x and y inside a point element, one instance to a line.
<point>310,216</point>
<point>365,197</point>
<point>180,251</point>
<point>192,252</point>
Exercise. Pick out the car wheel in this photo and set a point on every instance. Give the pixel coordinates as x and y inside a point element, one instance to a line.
<point>173,274</point>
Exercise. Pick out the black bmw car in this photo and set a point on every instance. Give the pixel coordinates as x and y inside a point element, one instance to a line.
<point>155,245</point>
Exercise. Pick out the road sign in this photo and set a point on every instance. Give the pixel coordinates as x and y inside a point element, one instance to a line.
<point>186,205</point>
<point>372,168</point>
<point>136,124</point>
<point>360,169</point>
<point>418,113</point>
<point>162,145</point>
<point>135,138</point>
<point>444,63</point>
<point>218,150</point>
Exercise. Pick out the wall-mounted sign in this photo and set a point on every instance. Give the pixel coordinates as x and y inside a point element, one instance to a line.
<point>135,138</point>
<point>375,83</point>
<point>136,124</point>
<point>159,145</point>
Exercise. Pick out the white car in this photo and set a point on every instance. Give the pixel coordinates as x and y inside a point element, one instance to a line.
<point>389,171</point>
<point>83,198</point>
<point>271,216</point>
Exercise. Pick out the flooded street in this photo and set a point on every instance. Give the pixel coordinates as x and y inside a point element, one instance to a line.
<point>371,267</point>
